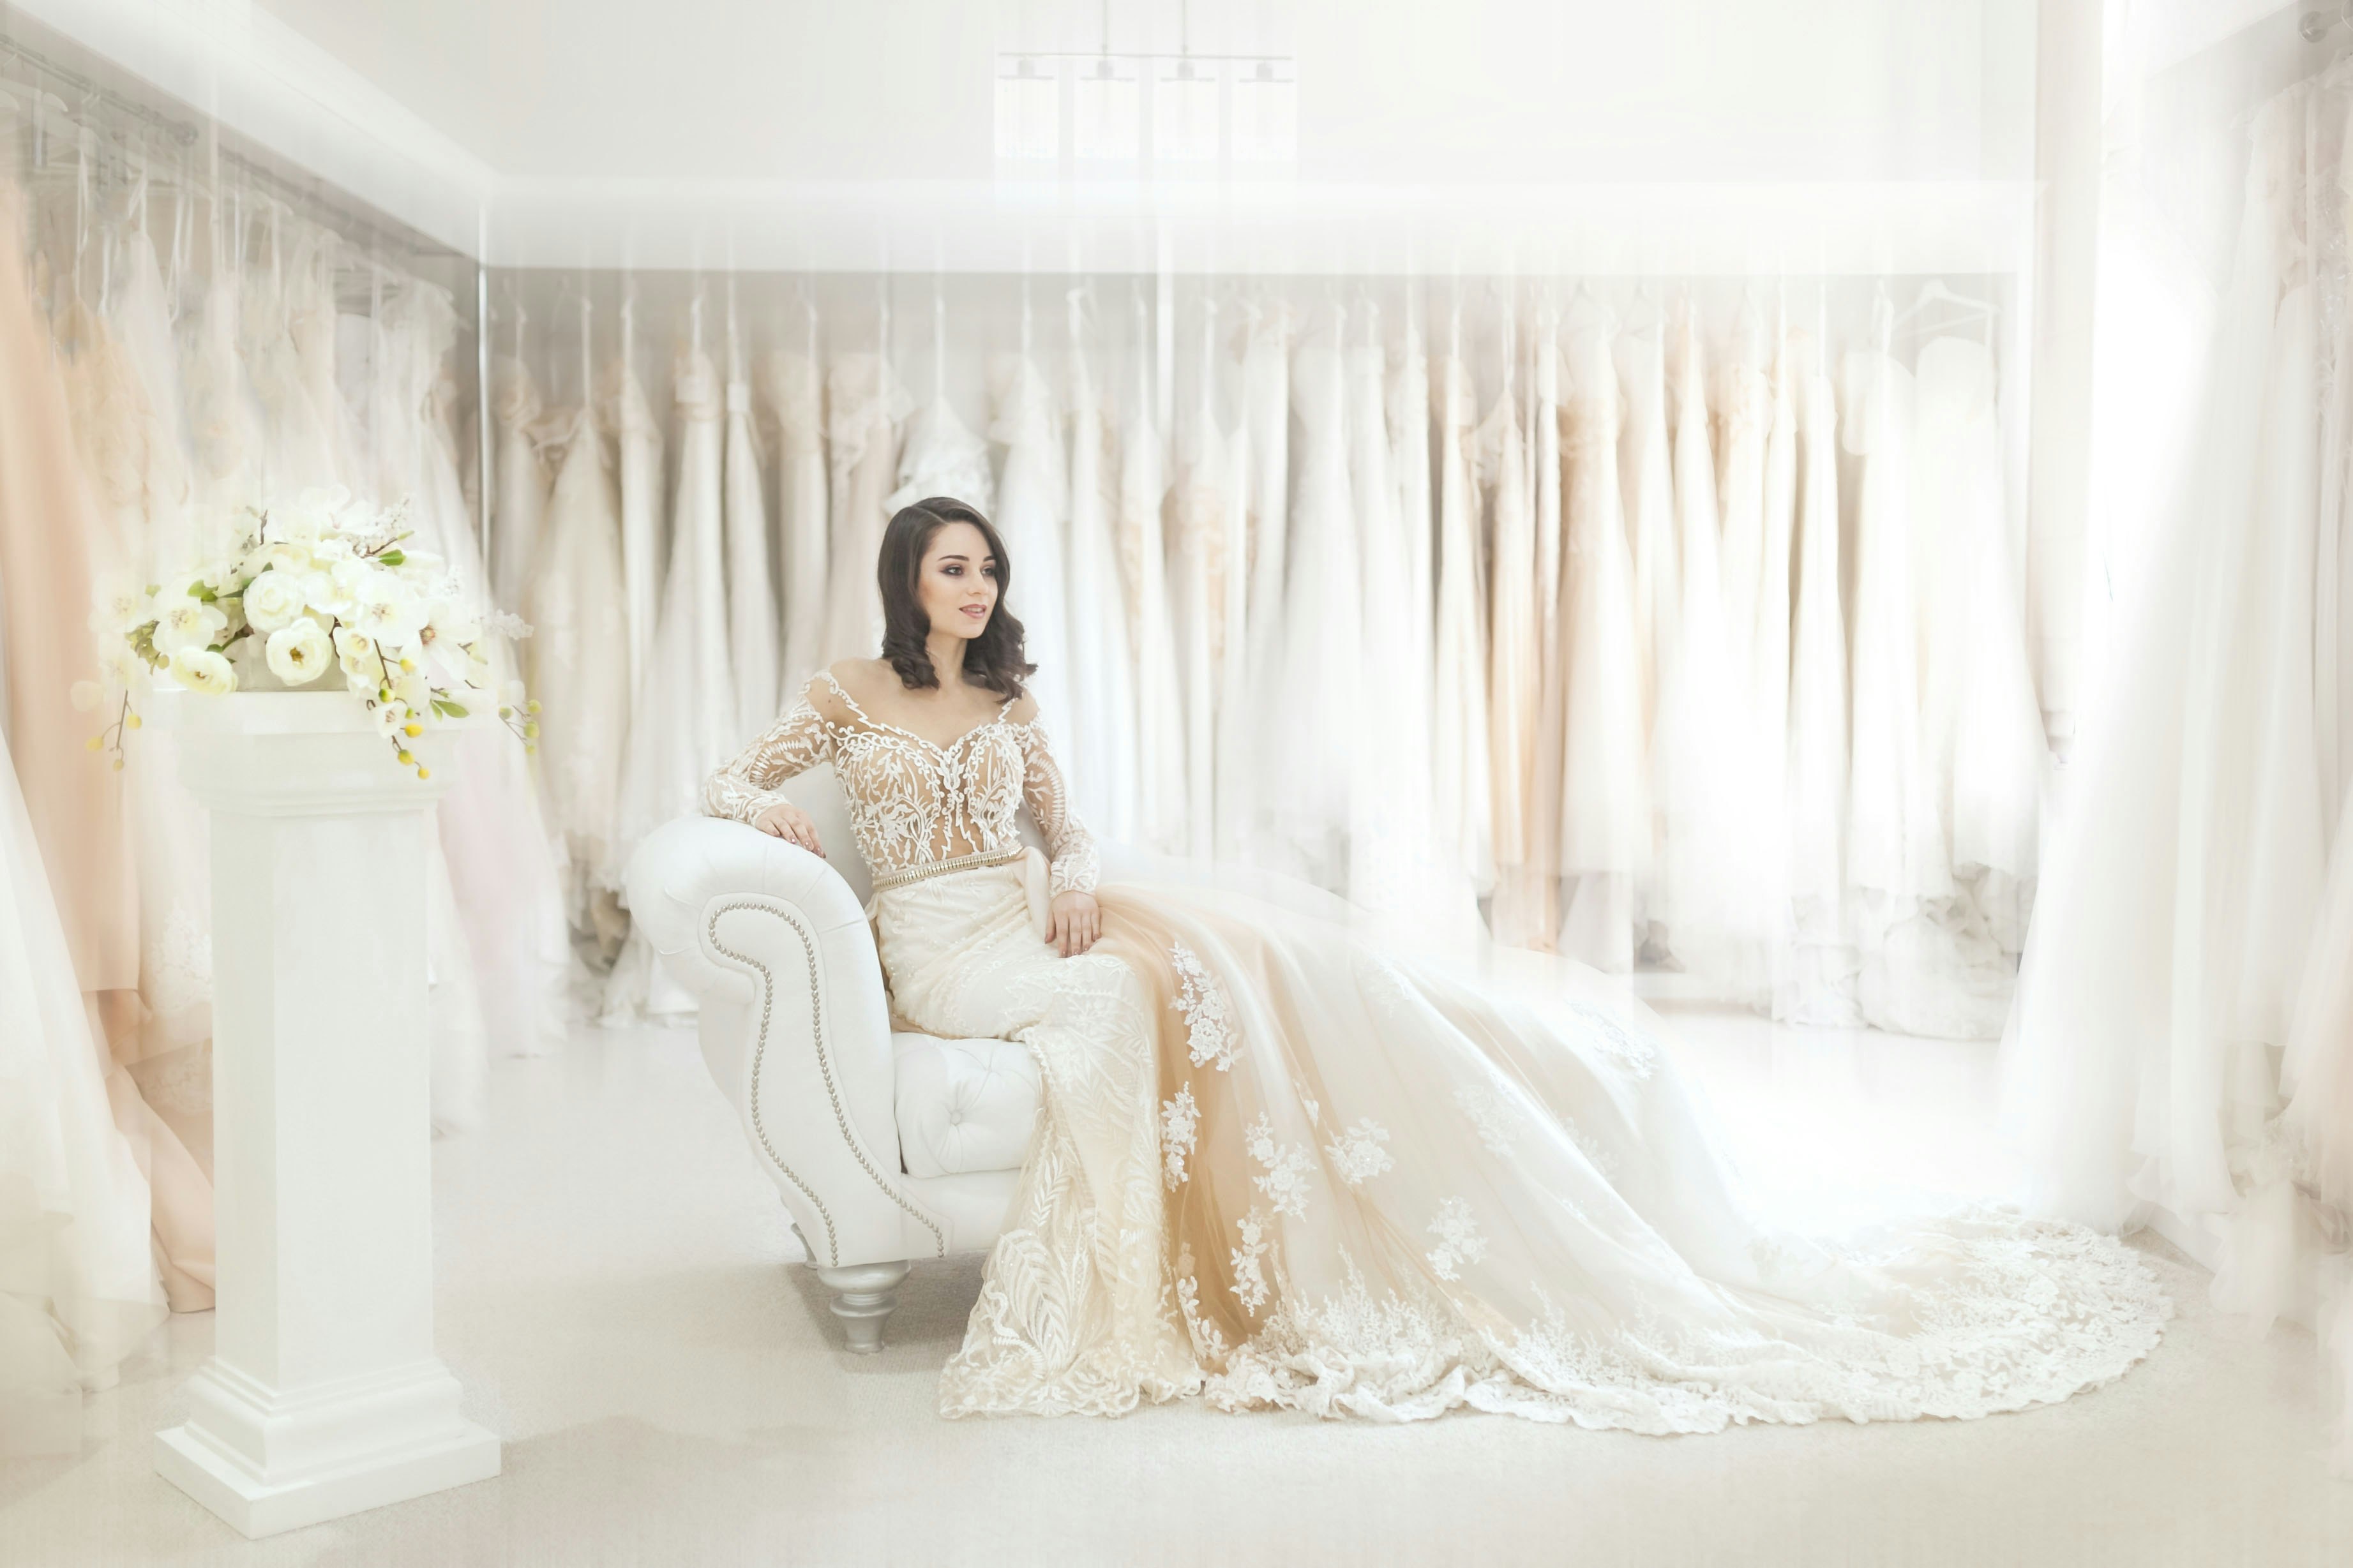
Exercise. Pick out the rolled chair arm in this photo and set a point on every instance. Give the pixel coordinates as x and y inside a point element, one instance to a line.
<point>793,1026</point>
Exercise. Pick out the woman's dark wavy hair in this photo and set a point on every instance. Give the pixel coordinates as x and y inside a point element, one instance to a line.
<point>994,658</point>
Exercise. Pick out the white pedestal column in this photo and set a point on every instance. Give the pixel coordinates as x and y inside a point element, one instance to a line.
<point>323,1395</point>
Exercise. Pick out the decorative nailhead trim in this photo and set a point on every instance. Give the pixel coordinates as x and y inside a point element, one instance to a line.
<point>825,1066</point>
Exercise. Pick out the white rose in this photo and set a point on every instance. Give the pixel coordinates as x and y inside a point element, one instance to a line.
<point>273,599</point>
<point>282,555</point>
<point>201,669</point>
<point>299,652</point>
<point>386,611</point>
<point>188,623</point>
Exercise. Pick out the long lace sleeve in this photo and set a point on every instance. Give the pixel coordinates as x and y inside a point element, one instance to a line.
<point>1071,846</point>
<point>747,786</point>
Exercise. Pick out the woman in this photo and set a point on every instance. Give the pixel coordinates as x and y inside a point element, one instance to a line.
<point>1278,1165</point>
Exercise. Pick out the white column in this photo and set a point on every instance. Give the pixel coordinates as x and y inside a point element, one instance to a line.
<point>323,1395</point>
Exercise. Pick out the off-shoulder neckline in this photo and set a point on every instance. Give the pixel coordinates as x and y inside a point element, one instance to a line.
<point>947,751</point>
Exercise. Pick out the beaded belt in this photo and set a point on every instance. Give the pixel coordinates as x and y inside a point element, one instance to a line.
<point>906,875</point>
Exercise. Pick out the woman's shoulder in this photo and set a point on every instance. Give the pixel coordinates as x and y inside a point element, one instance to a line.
<point>1023,710</point>
<point>840,689</point>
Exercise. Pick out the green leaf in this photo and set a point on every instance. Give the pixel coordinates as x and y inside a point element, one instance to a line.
<point>200,591</point>
<point>391,558</point>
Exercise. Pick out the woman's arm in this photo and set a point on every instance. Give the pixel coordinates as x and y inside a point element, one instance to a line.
<point>1077,920</point>
<point>748,786</point>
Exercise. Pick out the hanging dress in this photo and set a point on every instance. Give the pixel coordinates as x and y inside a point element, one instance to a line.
<point>754,652</point>
<point>2185,878</point>
<point>1408,707</point>
<point>1982,722</point>
<point>1265,480</point>
<point>1460,797</point>
<point>1544,374</point>
<point>577,605</point>
<point>520,513</point>
<point>796,397</point>
<point>864,407</point>
<point>1161,792</point>
<point>1032,505</point>
<point>1817,973</point>
<point>1521,912</point>
<point>52,526</point>
<point>1604,831</point>
<point>78,1292</point>
<point>1203,562</point>
<point>1645,469</point>
<point>1714,930</point>
<point>637,460</point>
<point>1102,722</point>
<point>1768,660</point>
<point>1391,866</point>
<point>1310,755</point>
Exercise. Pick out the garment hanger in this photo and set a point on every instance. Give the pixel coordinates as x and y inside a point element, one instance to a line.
<point>1935,295</point>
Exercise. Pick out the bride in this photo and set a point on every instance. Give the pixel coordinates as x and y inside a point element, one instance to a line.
<point>1281,1163</point>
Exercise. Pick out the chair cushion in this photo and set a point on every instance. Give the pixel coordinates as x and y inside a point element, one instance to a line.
<point>963,1105</point>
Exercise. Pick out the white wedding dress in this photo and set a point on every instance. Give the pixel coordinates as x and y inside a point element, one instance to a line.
<point>79,1290</point>
<point>1317,679</point>
<point>1207,579</point>
<point>1161,784</point>
<point>1646,471</point>
<point>1284,1162</point>
<point>1815,979</point>
<point>1032,511</point>
<point>1102,654</point>
<point>1604,832</point>
<point>1521,912</point>
<point>1459,801</point>
<point>865,406</point>
<point>755,651</point>
<point>638,465</point>
<point>795,397</point>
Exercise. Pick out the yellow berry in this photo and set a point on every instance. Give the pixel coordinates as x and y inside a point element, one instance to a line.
<point>532,706</point>
<point>405,758</point>
<point>424,773</point>
<point>118,764</point>
<point>134,720</point>
<point>531,731</point>
<point>407,663</point>
<point>505,713</point>
<point>96,741</point>
<point>412,729</point>
<point>384,694</point>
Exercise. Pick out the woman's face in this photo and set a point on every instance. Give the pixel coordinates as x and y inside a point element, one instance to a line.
<point>958,586</point>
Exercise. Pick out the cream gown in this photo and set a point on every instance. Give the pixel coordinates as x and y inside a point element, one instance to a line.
<point>1161,781</point>
<point>1605,816</point>
<point>1285,1161</point>
<point>864,407</point>
<point>796,399</point>
<point>755,653</point>
<point>1102,655</point>
<point>1032,517</point>
<point>1459,801</point>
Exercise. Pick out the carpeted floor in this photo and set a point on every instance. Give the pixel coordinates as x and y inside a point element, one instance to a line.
<point>614,1291</point>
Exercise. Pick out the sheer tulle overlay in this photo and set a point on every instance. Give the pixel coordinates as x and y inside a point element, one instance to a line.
<point>1281,1164</point>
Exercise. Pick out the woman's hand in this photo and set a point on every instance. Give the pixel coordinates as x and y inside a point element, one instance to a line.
<point>791,824</point>
<point>1077,922</point>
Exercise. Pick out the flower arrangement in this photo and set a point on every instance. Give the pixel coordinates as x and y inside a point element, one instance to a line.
<point>318,584</point>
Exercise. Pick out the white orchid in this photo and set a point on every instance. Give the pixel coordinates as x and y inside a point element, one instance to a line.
<point>299,652</point>
<point>387,610</point>
<point>201,669</point>
<point>188,623</point>
<point>273,599</point>
<point>122,604</point>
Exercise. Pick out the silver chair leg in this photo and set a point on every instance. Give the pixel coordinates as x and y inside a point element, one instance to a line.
<point>863,1296</point>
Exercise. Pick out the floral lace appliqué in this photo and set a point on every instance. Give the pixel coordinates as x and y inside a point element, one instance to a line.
<point>1209,1032</point>
<point>1459,1240</point>
<point>1488,1113</point>
<point>1358,1155</point>
<point>1180,1125</point>
<point>1249,1271</point>
<point>1288,1168</point>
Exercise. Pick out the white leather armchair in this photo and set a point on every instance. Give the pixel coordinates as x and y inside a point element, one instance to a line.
<point>884,1147</point>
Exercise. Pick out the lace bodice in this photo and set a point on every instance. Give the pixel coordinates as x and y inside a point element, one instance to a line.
<point>913,804</point>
